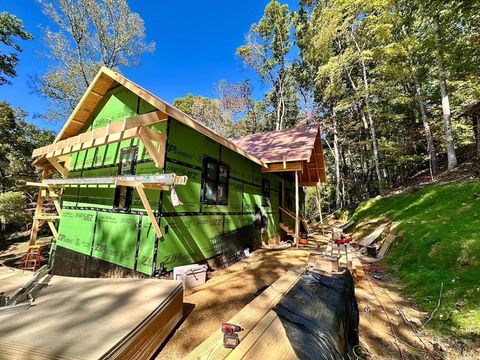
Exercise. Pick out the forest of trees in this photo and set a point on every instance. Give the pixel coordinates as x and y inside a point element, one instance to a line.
<point>386,80</point>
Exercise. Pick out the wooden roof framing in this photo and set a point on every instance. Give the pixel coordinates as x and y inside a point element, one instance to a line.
<point>287,150</point>
<point>107,79</point>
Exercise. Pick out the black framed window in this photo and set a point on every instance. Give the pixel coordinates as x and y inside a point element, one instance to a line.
<point>214,182</point>
<point>266,193</point>
<point>126,166</point>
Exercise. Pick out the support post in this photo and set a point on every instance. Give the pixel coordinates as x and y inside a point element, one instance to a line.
<point>319,203</point>
<point>297,210</point>
<point>38,210</point>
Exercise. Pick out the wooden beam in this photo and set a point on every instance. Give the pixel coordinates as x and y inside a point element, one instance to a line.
<point>146,205</point>
<point>268,340</point>
<point>141,193</point>
<point>280,167</point>
<point>53,229</point>
<point>80,105</point>
<point>157,153</point>
<point>248,317</point>
<point>59,167</point>
<point>38,211</point>
<point>102,136</point>
<point>46,217</point>
<point>306,183</point>
<point>56,203</point>
<point>297,210</point>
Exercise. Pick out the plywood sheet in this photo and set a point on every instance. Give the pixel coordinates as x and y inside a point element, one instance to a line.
<point>80,318</point>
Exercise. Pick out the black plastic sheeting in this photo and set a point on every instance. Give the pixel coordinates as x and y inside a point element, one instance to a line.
<point>320,316</point>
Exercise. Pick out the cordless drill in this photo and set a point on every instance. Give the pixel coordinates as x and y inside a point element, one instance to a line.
<point>230,336</point>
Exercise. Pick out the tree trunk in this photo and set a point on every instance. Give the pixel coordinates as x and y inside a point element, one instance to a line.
<point>376,155</point>
<point>476,132</point>
<point>452,158</point>
<point>426,126</point>
<point>336,156</point>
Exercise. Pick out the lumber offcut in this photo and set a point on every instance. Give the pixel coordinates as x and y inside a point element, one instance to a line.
<point>248,317</point>
<point>80,318</point>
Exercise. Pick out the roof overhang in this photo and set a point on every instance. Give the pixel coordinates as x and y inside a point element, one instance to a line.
<point>297,149</point>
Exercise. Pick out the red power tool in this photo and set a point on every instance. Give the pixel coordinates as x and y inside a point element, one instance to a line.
<point>344,240</point>
<point>230,336</point>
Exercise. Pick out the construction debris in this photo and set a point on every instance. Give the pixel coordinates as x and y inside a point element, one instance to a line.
<point>374,246</point>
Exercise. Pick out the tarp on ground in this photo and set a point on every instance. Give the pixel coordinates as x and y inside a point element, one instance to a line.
<point>320,316</point>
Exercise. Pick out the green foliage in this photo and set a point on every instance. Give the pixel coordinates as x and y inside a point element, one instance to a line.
<point>87,35</point>
<point>266,51</point>
<point>17,141</point>
<point>441,232</point>
<point>12,214</point>
<point>11,27</point>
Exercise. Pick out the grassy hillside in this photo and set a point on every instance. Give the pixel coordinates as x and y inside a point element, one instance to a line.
<point>441,243</point>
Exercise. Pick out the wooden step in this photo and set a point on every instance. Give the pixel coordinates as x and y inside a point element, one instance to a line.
<point>286,228</point>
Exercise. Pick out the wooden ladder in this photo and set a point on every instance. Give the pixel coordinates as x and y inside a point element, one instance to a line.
<point>33,258</point>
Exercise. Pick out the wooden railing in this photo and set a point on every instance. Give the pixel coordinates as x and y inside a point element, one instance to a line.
<point>292,215</point>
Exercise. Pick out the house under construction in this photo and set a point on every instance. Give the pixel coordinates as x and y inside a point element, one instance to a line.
<point>139,186</point>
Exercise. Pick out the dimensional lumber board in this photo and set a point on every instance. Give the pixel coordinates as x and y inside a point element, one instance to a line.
<point>267,340</point>
<point>249,316</point>
<point>372,236</point>
<point>81,318</point>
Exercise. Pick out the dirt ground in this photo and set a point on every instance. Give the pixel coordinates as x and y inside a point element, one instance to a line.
<point>224,295</point>
<point>13,252</point>
<point>390,325</point>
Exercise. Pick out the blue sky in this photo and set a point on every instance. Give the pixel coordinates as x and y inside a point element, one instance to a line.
<point>195,48</point>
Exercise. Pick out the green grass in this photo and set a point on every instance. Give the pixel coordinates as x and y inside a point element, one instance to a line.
<point>441,243</point>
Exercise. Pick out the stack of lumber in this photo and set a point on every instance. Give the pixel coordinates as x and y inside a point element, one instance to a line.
<point>80,318</point>
<point>381,243</point>
<point>347,258</point>
<point>262,332</point>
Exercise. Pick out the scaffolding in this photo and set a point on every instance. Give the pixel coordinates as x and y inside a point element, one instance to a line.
<point>52,188</point>
<point>57,156</point>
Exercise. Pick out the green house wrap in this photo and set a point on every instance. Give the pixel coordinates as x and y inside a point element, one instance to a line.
<point>104,227</point>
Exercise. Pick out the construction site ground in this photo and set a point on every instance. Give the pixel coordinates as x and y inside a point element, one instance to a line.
<point>389,323</point>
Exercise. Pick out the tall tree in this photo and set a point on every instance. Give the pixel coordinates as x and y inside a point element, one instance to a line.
<point>451,156</point>
<point>87,34</point>
<point>268,44</point>
<point>11,27</point>
<point>207,111</point>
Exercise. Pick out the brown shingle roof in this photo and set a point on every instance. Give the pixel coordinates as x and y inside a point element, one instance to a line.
<point>294,144</point>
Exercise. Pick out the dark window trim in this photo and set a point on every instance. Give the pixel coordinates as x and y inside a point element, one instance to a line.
<point>128,189</point>
<point>206,161</point>
<point>266,202</point>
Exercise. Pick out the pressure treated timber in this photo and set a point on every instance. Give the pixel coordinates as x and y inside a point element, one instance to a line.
<point>248,317</point>
<point>81,318</point>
